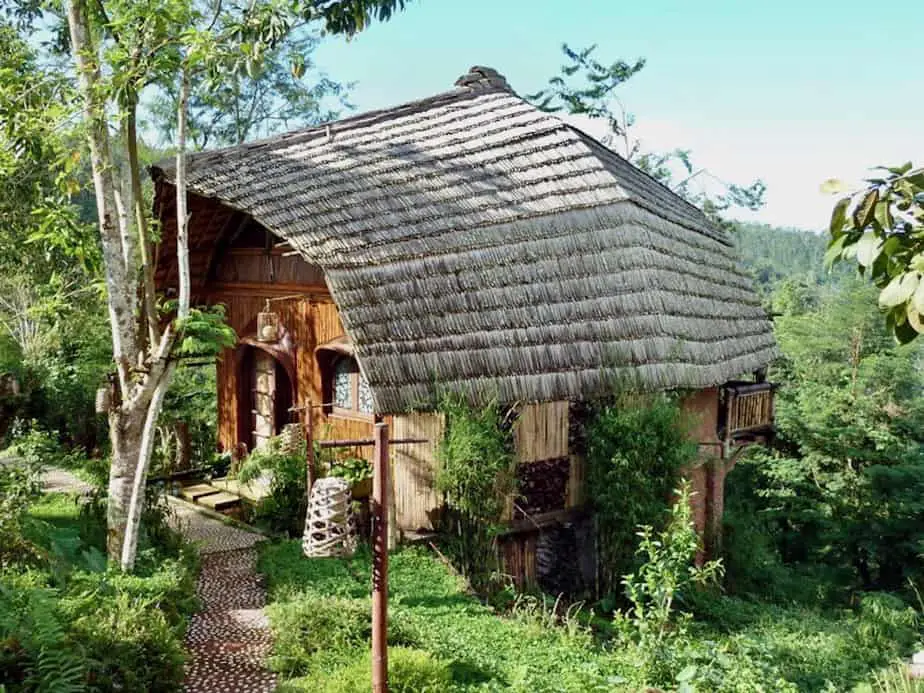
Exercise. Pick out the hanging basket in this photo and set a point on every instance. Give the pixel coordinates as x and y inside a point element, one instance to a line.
<point>267,325</point>
<point>330,528</point>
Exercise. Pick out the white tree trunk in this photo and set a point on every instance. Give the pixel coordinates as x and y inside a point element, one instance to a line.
<point>182,209</point>
<point>126,418</point>
<point>136,503</point>
<point>161,372</point>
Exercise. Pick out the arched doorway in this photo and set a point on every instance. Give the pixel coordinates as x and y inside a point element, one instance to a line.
<point>266,390</point>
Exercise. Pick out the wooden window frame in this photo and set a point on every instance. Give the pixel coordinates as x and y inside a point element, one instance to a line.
<point>332,409</point>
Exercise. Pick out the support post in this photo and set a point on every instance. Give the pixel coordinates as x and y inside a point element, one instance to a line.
<point>309,450</point>
<point>380,503</point>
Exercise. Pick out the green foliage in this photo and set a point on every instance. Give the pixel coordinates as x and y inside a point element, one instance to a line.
<point>635,451</point>
<point>287,92</point>
<point>432,612</point>
<point>475,459</point>
<point>204,333</point>
<point>20,486</point>
<point>651,628</point>
<point>880,229</point>
<point>476,477</point>
<point>68,624</point>
<point>894,679</point>
<point>842,488</point>
<point>129,645</point>
<point>312,636</point>
<point>352,469</point>
<point>35,652</point>
<point>283,510</point>
<point>190,409</point>
<point>409,671</point>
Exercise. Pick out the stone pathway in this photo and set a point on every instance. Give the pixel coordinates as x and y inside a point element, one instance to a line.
<point>229,640</point>
<point>55,480</point>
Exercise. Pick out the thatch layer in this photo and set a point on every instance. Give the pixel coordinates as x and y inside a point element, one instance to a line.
<point>474,243</point>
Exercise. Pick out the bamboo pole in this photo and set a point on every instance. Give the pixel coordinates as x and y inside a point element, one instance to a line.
<point>309,450</point>
<point>380,502</point>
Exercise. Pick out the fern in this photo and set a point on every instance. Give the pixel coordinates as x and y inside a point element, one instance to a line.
<point>31,623</point>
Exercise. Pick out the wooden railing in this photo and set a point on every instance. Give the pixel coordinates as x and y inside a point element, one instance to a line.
<point>748,408</point>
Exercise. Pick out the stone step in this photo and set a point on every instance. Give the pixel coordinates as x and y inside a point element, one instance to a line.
<point>221,500</point>
<point>197,491</point>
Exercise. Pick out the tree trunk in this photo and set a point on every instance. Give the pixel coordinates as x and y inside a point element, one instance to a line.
<point>125,434</point>
<point>136,489</point>
<point>183,446</point>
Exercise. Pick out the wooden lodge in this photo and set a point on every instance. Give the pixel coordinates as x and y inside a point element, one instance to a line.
<point>473,243</point>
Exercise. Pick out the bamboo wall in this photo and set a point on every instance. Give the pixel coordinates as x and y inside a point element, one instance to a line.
<point>414,468</point>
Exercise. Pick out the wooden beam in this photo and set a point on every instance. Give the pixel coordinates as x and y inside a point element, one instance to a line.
<point>367,442</point>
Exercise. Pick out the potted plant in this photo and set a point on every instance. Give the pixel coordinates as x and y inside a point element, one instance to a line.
<point>357,472</point>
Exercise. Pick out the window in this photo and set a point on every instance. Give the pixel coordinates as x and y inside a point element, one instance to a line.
<point>348,391</point>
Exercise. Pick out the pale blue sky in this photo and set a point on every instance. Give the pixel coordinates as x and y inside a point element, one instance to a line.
<point>792,92</point>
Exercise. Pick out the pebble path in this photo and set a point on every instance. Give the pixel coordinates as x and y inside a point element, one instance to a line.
<point>229,639</point>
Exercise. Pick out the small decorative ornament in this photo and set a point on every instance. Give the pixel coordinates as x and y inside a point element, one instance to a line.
<point>267,325</point>
<point>330,528</point>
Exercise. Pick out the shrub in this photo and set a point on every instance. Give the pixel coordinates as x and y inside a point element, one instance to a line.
<point>635,451</point>
<point>476,477</point>
<point>409,671</point>
<point>35,651</point>
<point>129,644</point>
<point>283,510</point>
<point>44,448</point>
<point>652,628</point>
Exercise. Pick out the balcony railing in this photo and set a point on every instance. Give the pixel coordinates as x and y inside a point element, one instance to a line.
<point>747,410</point>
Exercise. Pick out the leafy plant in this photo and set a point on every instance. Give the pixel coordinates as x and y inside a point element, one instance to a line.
<point>35,652</point>
<point>652,626</point>
<point>635,451</point>
<point>476,477</point>
<point>352,469</point>
<point>409,671</point>
<point>880,228</point>
<point>283,510</point>
<point>20,486</point>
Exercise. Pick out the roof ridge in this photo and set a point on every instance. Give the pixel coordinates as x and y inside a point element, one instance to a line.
<point>468,91</point>
<point>592,144</point>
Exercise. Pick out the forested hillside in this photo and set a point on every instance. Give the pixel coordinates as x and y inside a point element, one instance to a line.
<point>773,254</point>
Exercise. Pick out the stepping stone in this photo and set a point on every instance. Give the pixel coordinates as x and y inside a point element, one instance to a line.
<point>197,491</point>
<point>220,500</point>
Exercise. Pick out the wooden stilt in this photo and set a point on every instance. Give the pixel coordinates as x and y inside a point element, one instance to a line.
<point>380,502</point>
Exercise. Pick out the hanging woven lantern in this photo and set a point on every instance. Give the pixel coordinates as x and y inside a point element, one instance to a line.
<point>267,325</point>
<point>330,528</point>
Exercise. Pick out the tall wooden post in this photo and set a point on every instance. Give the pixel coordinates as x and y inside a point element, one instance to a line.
<point>308,413</point>
<point>379,508</point>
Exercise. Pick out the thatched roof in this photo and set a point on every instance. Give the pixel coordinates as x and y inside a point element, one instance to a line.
<point>474,242</point>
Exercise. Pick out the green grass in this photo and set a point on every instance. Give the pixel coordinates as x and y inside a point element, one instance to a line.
<point>319,610</point>
<point>430,611</point>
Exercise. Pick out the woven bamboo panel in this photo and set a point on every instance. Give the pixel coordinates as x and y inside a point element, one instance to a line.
<point>518,554</point>
<point>541,432</point>
<point>414,468</point>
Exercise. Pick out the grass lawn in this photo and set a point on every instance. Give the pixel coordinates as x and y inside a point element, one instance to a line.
<point>320,609</point>
<point>429,611</point>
